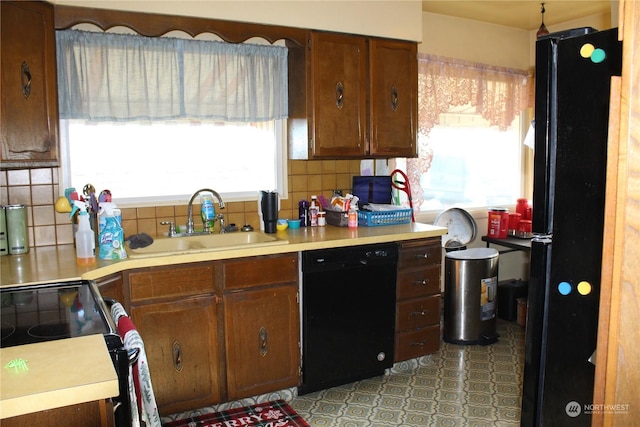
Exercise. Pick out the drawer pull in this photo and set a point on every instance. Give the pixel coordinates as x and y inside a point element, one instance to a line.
<point>394,98</point>
<point>423,282</point>
<point>177,356</point>
<point>418,344</point>
<point>339,95</point>
<point>25,77</point>
<point>262,341</point>
<point>422,312</point>
<point>423,256</point>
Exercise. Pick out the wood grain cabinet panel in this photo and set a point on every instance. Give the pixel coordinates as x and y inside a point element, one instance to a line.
<point>394,98</point>
<point>90,414</point>
<point>418,306</point>
<point>172,281</point>
<point>261,330</point>
<point>216,331</point>
<point>181,343</point>
<point>353,96</point>
<point>259,271</point>
<point>28,89</point>
<point>416,343</point>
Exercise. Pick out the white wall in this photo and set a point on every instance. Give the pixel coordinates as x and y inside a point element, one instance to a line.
<point>400,19</point>
<point>474,41</point>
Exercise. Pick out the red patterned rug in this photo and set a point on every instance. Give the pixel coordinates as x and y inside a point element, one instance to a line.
<point>270,414</point>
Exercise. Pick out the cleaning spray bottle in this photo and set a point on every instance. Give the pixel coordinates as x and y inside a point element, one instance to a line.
<point>111,236</point>
<point>85,242</point>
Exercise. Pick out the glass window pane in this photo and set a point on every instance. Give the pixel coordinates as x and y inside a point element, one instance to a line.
<point>473,165</point>
<point>167,162</point>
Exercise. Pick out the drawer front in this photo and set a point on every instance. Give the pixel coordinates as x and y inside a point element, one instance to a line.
<point>410,345</point>
<point>420,256</point>
<point>177,280</point>
<point>418,283</point>
<point>418,313</point>
<point>261,270</point>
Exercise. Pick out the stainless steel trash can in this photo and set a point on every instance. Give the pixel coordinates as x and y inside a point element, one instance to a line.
<point>470,300</point>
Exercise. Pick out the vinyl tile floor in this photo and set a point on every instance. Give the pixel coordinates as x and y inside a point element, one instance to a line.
<point>460,385</point>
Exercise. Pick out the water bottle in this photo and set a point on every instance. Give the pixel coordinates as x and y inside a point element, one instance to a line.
<point>303,212</point>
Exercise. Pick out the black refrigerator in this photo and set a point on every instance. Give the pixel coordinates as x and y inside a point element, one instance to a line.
<point>573,74</point>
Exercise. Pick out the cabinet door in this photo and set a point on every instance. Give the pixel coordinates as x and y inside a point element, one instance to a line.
<point>112,287</point>
<point>181,344</point>
<point>394,98</point>
<point>338,95</point>
<point>29,110</point>
<point>90,414</point>
<point>262,340</point>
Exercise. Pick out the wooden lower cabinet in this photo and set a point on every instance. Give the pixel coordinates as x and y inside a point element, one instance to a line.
<point>261,324</point>
<point>418,299</point>
<point>261,331</point>
<point>90,414</point>
<point>181,344</point>
<point>216,331</point>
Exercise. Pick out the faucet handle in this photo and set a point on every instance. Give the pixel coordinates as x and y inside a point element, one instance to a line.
<point>220,218</point>
<point>172,227</point>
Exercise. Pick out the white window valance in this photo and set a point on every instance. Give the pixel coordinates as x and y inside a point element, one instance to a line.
<point>122,77</point>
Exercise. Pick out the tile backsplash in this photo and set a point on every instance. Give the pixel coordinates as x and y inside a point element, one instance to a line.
<point>38,190</point>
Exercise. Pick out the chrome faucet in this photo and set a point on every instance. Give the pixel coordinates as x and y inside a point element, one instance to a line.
<point>190,209</point>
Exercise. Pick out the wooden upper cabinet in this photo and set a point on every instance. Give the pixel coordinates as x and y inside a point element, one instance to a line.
<point>338,95</point>
<point>394,98</point>
<point>352,97</point>
<point>29,110</point>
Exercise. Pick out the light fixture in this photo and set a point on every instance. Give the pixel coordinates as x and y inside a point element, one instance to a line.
<point>542,30</point>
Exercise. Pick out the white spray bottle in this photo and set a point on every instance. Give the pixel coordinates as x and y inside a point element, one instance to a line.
<point>85,242</point>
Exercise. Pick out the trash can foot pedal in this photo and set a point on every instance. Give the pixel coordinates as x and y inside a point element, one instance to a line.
<point>486,339</point>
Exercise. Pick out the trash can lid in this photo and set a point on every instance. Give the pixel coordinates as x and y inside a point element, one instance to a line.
<point>473,253</point>
<point>462,228</point>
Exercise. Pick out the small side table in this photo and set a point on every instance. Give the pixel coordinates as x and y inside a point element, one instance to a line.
<point>512,244</point>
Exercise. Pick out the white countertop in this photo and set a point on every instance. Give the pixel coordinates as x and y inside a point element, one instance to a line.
<point>55,374</point>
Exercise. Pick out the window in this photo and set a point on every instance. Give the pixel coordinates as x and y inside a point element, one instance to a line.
<point>473,164</point>
<point>164,163</point>
<point>470,138</point>
<point>155,119</point>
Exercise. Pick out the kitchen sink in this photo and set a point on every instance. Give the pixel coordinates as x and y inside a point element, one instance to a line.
<point>205,243</point>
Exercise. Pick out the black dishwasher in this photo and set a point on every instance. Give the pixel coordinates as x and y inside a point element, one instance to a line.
<point>348,314</point>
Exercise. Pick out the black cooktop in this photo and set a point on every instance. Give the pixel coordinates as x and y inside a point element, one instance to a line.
<point>38,313</point>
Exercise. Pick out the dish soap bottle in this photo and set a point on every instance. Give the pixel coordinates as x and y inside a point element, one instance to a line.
<point>111,235</point>
<point>207,212</point>
<point>85,242</point>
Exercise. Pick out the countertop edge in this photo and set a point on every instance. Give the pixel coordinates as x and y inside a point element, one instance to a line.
<point>57,263</point>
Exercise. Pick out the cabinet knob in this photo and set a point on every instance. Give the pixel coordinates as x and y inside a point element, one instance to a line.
<point>422,312</point>
<point>423,282</point>
<point>418,344</point>
<point>339,95</point>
